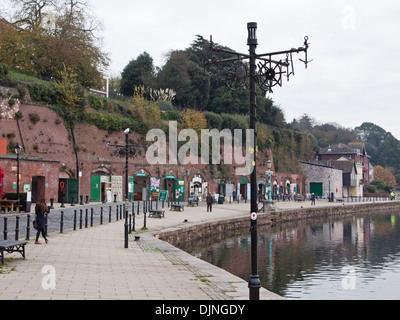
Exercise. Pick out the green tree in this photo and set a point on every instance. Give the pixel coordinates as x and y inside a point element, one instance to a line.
<point>138,72</point>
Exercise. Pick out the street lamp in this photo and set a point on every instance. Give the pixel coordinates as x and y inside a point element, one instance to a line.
<point>125,151</point>
<point>269,172</point>
<point>18,150</point>
<point>264,75</point>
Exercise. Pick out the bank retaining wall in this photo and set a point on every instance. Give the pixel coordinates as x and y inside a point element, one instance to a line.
<point>179,236</point>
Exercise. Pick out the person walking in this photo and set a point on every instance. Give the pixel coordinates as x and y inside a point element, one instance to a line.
<point>40,210</point>
<point>392,196</point>
<point>209,202</point>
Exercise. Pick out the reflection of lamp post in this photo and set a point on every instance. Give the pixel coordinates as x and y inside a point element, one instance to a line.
<point>18,150</point>
<point>269,172</point>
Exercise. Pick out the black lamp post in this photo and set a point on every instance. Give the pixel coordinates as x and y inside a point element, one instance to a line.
<point>18,150</point>
<point>125,151</point>
<point>269,74</point>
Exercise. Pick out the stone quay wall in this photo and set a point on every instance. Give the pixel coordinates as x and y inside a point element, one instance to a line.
<point>180,236</point>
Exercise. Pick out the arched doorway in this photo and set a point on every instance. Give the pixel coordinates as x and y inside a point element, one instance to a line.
<point>198,186</point>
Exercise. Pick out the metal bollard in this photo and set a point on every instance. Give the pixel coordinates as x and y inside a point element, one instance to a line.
<point>5,232</point>
<point>75,213</point>
<point>80,219</point>
<point>101,215</point>
<point>62,222</point>
<point>16,228</point>
<point>109,214</point>
<point>73,202</point>
<point>91,217</point>
<point>81,203</point>
<point>86,218</point>
<point>28,227</point>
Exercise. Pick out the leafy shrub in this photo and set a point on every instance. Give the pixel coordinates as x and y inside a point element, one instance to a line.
<point>3,71</point>
<point>34,117</point>
<point>43,93</point>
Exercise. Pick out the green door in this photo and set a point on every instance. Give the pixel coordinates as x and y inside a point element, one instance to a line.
<point>73,190</point>
<point>179,190</point>
<point>316,188</point>
<point>95,188</point>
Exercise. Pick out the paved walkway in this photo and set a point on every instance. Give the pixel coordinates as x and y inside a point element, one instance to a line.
<point>92,264</point>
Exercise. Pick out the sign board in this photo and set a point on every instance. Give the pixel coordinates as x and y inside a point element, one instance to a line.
<point>163,195</point>
<point>116,187</point>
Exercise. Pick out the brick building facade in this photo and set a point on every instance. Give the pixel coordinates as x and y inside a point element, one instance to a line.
<point>38,176</point>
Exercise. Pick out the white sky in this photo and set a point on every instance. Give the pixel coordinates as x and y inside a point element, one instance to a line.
<point>355,46</point>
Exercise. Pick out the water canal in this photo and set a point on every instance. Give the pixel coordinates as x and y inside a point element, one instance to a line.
<point>353,257</point>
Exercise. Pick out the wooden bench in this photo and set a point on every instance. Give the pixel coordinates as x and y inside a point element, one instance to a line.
<point>12,246</point>
<point>156,213</point>
<point>177,207</point>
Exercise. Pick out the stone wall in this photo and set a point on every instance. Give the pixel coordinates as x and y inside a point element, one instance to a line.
<point>180,236</point>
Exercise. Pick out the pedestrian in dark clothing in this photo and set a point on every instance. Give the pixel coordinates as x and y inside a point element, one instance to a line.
<point>209,202</point>
<point>40,210</point>
<point>313,199</point>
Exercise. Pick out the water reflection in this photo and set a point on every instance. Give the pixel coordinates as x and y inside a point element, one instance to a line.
<point>355,257</point>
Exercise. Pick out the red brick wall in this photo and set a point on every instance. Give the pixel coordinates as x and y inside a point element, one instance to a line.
<point>29,169</point>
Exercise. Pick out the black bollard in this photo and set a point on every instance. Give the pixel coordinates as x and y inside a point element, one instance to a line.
<point>81,203</point>
<point>28,227</point>
<point>115,198</point>
<point>109,214</point>
<point>87,199</point>
<point>86,218</point>
<point>91,217</point>
<point>80,219</point>
<point>51,203</point>
<point>75,213</point>
<point>17,228</point>
<point>5,232</point>
<point>101,215</point>
<point>62,222</point>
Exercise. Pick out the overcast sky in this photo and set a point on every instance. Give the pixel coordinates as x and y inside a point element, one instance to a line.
<point>354,77</point>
